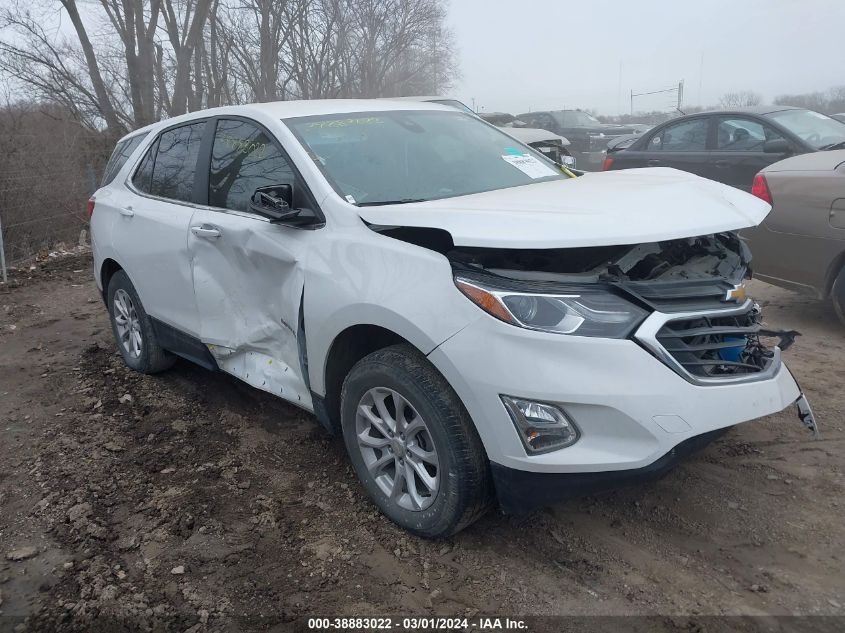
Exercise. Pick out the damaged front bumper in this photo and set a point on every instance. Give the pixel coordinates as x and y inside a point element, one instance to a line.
<point>521,491</point>
<point>636,414</point>
<point>805,414</point>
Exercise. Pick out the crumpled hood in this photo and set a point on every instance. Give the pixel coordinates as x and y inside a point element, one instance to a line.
<point>597,209</point>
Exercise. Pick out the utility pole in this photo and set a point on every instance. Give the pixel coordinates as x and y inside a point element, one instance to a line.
<point>700,78</point>
<point>619,91</point>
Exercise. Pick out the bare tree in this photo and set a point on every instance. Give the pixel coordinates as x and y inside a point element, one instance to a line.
<point>133,62</point>
<point>742,99</point>
<point>135,25</point>
<point>55,71</point>
<point>259,32</point>
<point>831,102</point>
<point>185,25</point>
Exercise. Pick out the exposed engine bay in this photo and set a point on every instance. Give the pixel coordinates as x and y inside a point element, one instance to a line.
<point>712,331</point>
<point>723,256</point>
<point>691,275</point>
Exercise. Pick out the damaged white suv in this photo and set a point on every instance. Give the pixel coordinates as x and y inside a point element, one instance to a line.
<point>476,324</point>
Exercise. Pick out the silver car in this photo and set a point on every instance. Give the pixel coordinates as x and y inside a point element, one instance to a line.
<point>801,243</point>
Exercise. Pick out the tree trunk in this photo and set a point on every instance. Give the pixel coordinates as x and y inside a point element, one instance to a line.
<point>104,103</point>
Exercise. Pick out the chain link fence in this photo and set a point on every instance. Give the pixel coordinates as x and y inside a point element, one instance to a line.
<point>49,167</point>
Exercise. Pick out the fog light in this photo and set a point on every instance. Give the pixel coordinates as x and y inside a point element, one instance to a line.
<point>542,427</point>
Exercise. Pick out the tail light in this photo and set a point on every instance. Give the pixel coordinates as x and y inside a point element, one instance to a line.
<point>760,188</point>
<point>89,211</point>
<point>607,164</point>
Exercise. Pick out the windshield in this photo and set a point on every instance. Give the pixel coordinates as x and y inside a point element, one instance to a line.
<point>816,129</point>
<point>389,157</point>
<point>574,118</point>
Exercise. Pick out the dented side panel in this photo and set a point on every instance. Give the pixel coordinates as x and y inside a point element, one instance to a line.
<point>248,284</point>
<point>358,277</point>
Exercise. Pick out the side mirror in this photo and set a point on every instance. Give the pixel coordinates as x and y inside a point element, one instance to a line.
<point>273,202</point>
<point>276,202</point>
<point>777,146</point>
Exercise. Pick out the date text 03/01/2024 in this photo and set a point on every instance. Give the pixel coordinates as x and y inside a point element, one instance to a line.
<point>417,623</point>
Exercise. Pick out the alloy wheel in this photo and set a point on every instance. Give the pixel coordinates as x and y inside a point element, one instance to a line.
<point>127,323</point>
<point>397,449</point>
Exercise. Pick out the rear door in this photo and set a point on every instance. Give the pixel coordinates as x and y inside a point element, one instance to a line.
<point>150,227</point>
<point>737,153</point>
<point>248,272</point>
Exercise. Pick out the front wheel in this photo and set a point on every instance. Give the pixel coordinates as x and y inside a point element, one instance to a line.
<point>412,443</point>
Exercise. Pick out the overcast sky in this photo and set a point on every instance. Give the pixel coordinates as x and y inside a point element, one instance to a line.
<point>549,54</point>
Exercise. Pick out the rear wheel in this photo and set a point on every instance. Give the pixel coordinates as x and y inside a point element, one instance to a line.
<point>837,294</point>
<point>133,330</point>
<point>412,443</point>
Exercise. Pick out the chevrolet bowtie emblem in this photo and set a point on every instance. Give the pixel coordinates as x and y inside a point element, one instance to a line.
<point>737,294</point>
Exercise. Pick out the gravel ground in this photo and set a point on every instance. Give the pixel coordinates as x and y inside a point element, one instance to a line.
<point>190,501</point>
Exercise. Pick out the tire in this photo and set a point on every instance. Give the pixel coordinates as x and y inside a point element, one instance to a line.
<point>837,295</point>
<point>459,469</point>
<point>147,356</point>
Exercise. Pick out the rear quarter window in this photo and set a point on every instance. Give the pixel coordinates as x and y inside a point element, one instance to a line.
<point>170,164</point>
<point>176,162</point>
<point>122,151</point>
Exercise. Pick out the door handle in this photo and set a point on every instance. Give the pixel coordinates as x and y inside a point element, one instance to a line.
<point>208,232</point>
<point>654,162</point>
<point>126,211</point>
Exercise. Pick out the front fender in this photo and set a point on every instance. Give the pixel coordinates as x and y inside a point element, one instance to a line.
<point>364,278</point>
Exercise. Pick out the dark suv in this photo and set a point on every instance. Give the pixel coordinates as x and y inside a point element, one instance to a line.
<point>588,136</point>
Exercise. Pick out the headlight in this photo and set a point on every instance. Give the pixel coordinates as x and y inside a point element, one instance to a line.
<point>585,312</point>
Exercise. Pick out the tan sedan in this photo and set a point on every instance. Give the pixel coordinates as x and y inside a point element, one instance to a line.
<point>801,244</point>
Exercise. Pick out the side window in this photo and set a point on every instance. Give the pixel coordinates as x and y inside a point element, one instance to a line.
<point>685,136</point>
<point>144,174</point>
<point>537,119</point>
<point>243,159</point>
<point>743,135</point>
<point>175,162</point>
<point>545,120</point>
<point>122,151</point>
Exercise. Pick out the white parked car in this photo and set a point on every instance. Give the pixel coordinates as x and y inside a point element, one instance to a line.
<point>475,323</point>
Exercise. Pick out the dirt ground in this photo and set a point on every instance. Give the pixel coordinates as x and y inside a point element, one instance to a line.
<point>189,500</point>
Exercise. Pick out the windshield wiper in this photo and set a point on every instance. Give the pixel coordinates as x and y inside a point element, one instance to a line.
<point>381,203</point>
<point>837,145</point>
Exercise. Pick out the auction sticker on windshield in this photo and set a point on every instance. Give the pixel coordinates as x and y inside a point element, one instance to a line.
<point>529,165</point>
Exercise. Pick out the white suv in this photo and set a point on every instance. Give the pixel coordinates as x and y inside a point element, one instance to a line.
<point>475,323</point>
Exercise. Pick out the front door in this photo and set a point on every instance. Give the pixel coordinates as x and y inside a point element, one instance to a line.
<point>738,152</point>
<point>248,272</point>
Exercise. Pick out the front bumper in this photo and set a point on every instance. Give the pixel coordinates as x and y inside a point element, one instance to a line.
<point>520,491</point>
<point>631,408</point>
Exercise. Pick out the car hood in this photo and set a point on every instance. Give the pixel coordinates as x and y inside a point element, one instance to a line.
<point>596,209</point>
